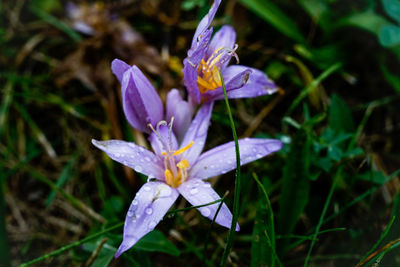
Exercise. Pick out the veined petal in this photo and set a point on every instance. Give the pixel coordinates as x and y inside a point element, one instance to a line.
<point>133,156</point>
<point>205,22</point>
<point>181,110</point>
<point>198,192</point>
<point>141,103</point>
<point>222,159</point>
<point>119,67</point>
<point>197,133</point>
<point>225,37</point>
<point>150,205</point>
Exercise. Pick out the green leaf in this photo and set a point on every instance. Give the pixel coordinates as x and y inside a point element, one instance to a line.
<point>389,36</point>
<point>339,118</point>
<point>105,255</point>
<point>393,79</point>
<point>276,17</point>
<point>373,176</point>
<point>296,185</point>
<point>368,20</point>
<point>156,241</point>
<point>318,10</point>
<point>392,8</point>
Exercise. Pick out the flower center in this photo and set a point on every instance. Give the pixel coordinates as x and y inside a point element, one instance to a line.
<point>176,173</point>
<point>208,78</point>
<point>175,165</point>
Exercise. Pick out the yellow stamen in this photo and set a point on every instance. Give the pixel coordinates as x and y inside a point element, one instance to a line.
<point>168,177</point>
<point>183,149</point>
<point>183,164</point>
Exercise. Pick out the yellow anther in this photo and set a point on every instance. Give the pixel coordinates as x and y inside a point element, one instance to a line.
<point>183,149</point>
<point>169,178</point>
<point>183,164</point>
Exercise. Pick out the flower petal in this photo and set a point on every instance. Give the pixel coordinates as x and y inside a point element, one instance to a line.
<point>198,192</point>
<point>119,67</point>
<point>205,22</point>
<point>197,133</point>
<point>150,205</point>
<point>133,156</point>
<point>181,110</point>
<point>225,37</point>
<point>222,159</point>
<point>141,103</point>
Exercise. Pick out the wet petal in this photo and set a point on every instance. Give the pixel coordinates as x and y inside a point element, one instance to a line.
<point>222,159</point>
<point>205,22</point>
<point>119,67</point>
<point>141,103</point>
<point>197,133</point>
<point>133,156</point>
<point>225,37</point>
<point>147,209</point>
<point>198,192</point>
<point>181,110</point>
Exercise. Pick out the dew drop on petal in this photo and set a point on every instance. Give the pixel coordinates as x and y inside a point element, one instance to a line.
<point>149,211</point>
<point>134,202</point>
<point>146,188</point>
<point>117,155</point>
<point>152,224</point>
<point>138,168</point>
<point>141,149</point>
<point>148,159</point>
<point>259,155</point>
<point>165,191</point>
<point>205,212</point>
<point>207,185</point>
<point>130,213</point>
<point>194,191</point>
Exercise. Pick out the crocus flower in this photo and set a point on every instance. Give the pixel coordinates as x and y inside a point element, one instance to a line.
<point>205,59</point>
<point>142,105</point>
<point>175,170</point>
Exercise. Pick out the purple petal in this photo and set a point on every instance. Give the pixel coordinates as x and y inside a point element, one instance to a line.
<point>197,133</point>
<point>150,205</point>
<point>163,141</point>
<point>205,22</point>
<point>133,156</point>
<point>141,103</point>
<point>222,159</point>
<point>181,111</point>
<point>197,193</point>
<point>119,67</point>
<point>225,37</point>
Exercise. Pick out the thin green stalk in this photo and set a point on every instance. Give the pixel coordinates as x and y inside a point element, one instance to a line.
<point>194,207</point>
<point>235,216</point>
<point>4,248</point>
<point>321,218</point>
<point>75,244</point>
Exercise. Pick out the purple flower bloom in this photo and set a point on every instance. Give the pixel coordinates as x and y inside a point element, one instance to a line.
<point>179,169</point>
<point>205,58</point>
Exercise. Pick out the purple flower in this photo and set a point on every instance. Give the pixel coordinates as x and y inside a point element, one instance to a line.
<point>205,58</point>
<point>174,169</point>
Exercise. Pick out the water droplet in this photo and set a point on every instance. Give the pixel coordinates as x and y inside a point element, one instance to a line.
<point>134,202</point>
<point>149,211</point>
<point>134,219</point>
<point>132,156</point>
<point>152,224</point>
<point>132,145</point>
<point>259,155</point>
<point>212,166</point>
<point>141,160</point>
<point>148,159</point>
<point>130,213</point>
<point>194,191</point>
<point>125,162</point>
<point>229,161</point>
<point>117,155</point>
<point>141,149</point>
<point>138,216</point>
<point>165,190</point>
<point>254,150</point>
<point>196,184</point>
<point>207,185</point>
<point>146,188</point>
<point>205,211</point>
<point>138,168</point>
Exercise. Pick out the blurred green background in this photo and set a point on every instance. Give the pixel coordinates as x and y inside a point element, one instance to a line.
<point>329,198</point>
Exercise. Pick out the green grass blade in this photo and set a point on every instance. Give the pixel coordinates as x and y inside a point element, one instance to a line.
<point>276,17</point>
<point>235,216</point>
<point>296,185</point>
<point>5,104</point>
<point>72,245</point>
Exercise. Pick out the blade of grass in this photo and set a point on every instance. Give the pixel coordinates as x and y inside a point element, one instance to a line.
<point>312,85</point>
<point>5,104</point>
<point>72,245</point>
<point>4,248</point>
<point>235,215</point>
<point>271,223</point>
<point>383,235</point>
<point>324,210</point>
<point>56,23</point>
